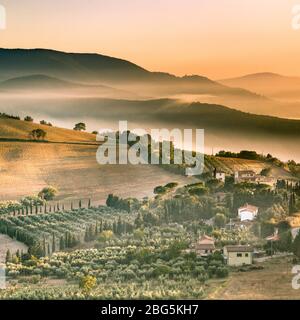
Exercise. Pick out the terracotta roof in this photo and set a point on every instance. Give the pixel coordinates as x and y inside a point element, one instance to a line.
<point>206,240</point>
<point>239,248</point>
<point>204,246</point>
<point>274,237</point>
<point>205,243</point>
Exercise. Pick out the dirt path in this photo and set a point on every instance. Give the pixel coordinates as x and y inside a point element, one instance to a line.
<point>8,243</point>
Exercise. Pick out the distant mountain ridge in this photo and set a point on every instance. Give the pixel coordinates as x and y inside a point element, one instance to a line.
<point>127,80</point>
<point>267,83</point>
<point>97,68</point>
<point>20,62</point>
<point>36,80</point>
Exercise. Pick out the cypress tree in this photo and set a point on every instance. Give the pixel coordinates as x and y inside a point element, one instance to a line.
<point>8,256</point>
<point>62,244</point>
<point>53,243</point>
<point>296,245</point>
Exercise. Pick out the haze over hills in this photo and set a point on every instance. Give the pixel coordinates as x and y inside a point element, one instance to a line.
<point>108,77</point>
<point>269,84</point>
<point>38,81</point>
<point>100,69</point>
<point>225,128</point>
<point>66,88</point>
<point>42,84</point>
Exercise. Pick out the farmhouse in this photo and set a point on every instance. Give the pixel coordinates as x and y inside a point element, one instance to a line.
<point>294,222</point>
<point>219,175</point>
<point>270,181</point>
<point>244,176</point>
<point>238,255</point>
<point>247,212</point>
<point>251,177</point>
<point>205,246</point>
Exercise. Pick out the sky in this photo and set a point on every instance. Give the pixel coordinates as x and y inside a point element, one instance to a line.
<point>216,38</point>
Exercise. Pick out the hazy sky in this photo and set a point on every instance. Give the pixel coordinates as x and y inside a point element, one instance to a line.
<point>217,38</point>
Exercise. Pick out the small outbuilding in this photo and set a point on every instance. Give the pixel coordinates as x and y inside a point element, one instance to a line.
<point>238,255</point>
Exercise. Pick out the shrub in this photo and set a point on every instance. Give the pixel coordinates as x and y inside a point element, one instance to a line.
<point>28,118</point>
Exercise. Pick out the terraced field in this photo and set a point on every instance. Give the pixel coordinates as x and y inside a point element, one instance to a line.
<point>230,165</point>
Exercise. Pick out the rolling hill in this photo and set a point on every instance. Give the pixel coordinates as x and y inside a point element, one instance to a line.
<point>68,162</point>
<point>37,81</point>
<point>96,75</point>
<point>225,128</point>
<point>38,84</point>
<point>11,129</point>
<point>270,84</point>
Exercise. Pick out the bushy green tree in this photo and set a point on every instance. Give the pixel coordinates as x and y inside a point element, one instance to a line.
<point>48,193</point>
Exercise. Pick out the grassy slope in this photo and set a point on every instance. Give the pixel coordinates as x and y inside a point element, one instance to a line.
<point>273,282</point>
<point>26,167</point>
<point>15,129</point>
